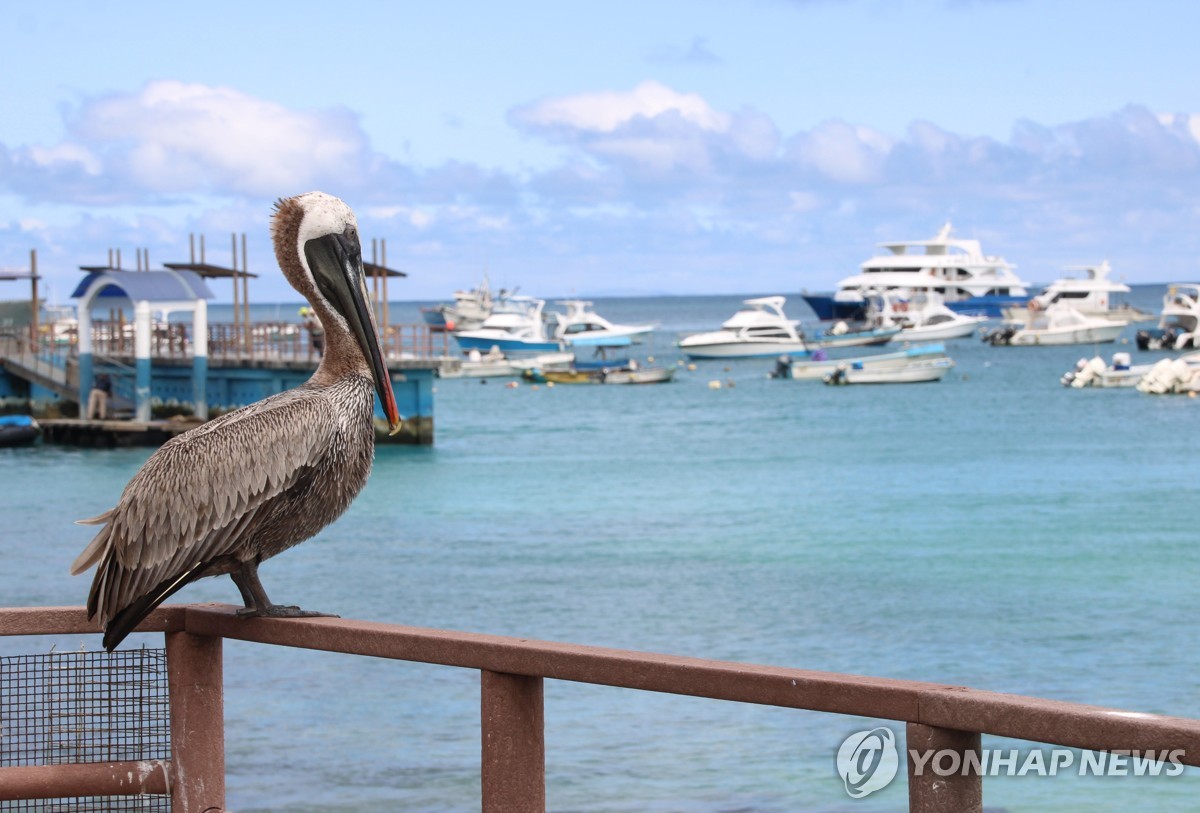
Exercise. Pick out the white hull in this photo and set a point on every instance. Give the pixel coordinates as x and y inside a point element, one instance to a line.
<point>914,372</point>
<point>816,370</point>
<point>1097,334</point>
<point>940,333</point>
<point>725,349</point>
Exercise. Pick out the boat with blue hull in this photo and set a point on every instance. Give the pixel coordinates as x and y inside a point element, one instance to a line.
<point>18,430</point>
<point>969,281</point>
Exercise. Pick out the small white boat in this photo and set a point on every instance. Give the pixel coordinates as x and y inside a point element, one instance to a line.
<point>922,315</point>
<point>818,367</point>
<point>1179,322</point>
<point>844,335</point>
<point>760,329</point>
<point>1171,377</point>
<point>494,364</point>
<point>580,326</point>
<point>1059,325</point>
<point>515,326</point>
<point>914,372</point>
<point>1091,295</point>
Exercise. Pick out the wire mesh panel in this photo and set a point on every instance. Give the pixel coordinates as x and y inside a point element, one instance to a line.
<point>82,707</point>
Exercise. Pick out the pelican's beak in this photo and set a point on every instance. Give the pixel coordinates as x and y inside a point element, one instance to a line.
<point>336,264</point>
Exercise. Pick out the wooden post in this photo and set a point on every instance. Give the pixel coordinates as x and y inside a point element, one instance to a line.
<point>383,262</point>
<point>246,296</point>
<point>950,791</point>
<point>236,310</point>
<point>514,748</point>
<point>194,679</point>
<point>35,314</point>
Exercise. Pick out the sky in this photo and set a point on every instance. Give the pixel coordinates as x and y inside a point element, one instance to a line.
<point>605,148</point>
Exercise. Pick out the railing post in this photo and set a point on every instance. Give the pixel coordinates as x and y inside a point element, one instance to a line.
<point>194,679</point>
<point>514,748</point>
<point>944,785</point>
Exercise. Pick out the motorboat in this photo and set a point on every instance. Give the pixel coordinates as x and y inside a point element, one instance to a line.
<point>632,373</point>
<point>469,311</point>
<point>1171,377</point>
<point>819,365</point>
<point>859,335</point>
<point>1091,295</point>
<point>515,326</point>
<point>969,281</point>
<point>914,371</point>
<point>759,329</point>
<point>495,364</point>
<point>922,316</point>
<point>18,430</point>
<point>580,326</point>
<point>1120,372</point>
<point>1059,324</point>
<point>1179,322</point>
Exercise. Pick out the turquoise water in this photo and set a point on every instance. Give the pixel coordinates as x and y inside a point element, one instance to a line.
<point>993,530</point>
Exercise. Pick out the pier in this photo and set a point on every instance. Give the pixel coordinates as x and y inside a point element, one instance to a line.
<point>163,366</point>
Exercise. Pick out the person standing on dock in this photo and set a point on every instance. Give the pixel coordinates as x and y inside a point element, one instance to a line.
<point>316,333</point>
<point>98,398</point>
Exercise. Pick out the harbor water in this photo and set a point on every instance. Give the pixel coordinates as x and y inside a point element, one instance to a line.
<point>993,530</point>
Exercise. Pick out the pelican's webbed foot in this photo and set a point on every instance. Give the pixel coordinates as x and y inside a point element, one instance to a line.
<point>257,603</point>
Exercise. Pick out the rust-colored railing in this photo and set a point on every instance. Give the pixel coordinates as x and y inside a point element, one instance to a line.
<point>512,713</point>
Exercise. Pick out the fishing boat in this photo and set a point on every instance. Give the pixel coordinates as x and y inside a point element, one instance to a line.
<point>1171,377</point>
<point>1092,295</point>
<point>632,374</point>
<point>1060,324</point>
<point>969,281</point>
<point>1120,372</point>
<point>494,364</point>
<point>18,430</point>
<point>819,365</point>
<point>580,326</point>
<point>844,335</point>
<point>1179,322</point>
<point>921,316</point>
<point>469,310</point>
<point>914,371</point>
<point>760,329</point>
<point>516,326</point>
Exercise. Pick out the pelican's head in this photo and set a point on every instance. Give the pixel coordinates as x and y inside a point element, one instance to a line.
<point>316,243</point>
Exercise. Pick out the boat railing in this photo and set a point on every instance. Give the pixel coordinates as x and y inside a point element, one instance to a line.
<point>939,719</point>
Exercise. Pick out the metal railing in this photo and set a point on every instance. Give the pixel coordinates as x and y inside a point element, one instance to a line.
<point>512,713</point>
<point>267,341</point>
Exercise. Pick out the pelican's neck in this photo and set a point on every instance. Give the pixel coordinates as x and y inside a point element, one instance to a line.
<point>343,357</point>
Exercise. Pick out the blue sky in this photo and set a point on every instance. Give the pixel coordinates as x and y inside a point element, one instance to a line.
<point>607,148</point>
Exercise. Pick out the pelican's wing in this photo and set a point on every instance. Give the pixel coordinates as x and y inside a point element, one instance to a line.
<point>199,494</point>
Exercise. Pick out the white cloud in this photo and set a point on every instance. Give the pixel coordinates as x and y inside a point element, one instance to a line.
<point>844,153</point>
<point>608,111</point>
<point>174,137</point>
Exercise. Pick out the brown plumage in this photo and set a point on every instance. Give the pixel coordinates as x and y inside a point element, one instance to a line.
<point>227,495</point>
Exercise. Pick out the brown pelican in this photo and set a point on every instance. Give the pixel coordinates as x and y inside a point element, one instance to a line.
<point>249,484</point>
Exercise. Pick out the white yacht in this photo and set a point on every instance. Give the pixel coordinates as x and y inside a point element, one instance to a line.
<point>759,329</point>
<point>969,281</point>
<point>1091,295</point>
<point>580,326</point>
<point>1179,324</point>
<point>517,328</point>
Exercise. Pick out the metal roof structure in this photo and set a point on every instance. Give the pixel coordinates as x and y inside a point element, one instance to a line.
<point>146,286</point>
